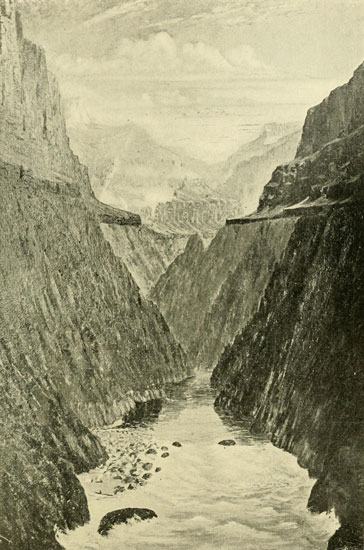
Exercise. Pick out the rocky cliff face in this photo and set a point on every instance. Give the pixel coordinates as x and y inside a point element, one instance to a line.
<point>79,346</point>
<point>206,295</point>
<point>146,253</point>
<point>33,132</point>
<point>336,117</point>
<point>297,367</point>
<point>328,167</point>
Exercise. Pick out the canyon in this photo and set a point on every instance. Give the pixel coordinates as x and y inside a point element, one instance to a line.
<point>101,315</point>
<point>294,365</point>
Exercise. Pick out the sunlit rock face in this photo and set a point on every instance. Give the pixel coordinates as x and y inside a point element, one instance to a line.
<point>79,345</point>
<point>297,366</point>
<point>146,253</point>
<point>33,131</point>
<point>340,114</point>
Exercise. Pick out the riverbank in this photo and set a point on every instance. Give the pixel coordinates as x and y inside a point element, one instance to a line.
<point>206,496</point>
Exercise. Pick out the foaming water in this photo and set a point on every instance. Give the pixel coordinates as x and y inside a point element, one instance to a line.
<point>251,495</point>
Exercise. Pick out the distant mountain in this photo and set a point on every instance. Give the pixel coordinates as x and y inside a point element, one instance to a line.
<point>175,193</point>
<point>128,168</point>
<point>245,173</point>
<point>269,136</point>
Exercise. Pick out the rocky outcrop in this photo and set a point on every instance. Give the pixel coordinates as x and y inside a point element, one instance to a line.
<point>146,253</point>
<point>297,366</point>
<point>206,295</point>
<point>33,131</point>
<point>79,345</point>
<point>328,167</point>
<point>338,116</point>
<point>116,517</point>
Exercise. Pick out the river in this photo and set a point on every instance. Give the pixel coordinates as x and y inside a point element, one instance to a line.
<point>207,496</point>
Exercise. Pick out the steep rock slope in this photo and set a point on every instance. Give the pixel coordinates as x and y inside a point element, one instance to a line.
<point>206,295</point>
<point>79,345</point>
<point>146,253</point>
<point>337,116</point>
<point>249,176</point>
<point>269,136</point>
<point>297,367</point>
<point>329,163</point>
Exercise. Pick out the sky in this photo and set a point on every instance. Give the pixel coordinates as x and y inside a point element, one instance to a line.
<point>202,75</point>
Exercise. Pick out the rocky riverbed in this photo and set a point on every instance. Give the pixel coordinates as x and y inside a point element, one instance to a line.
<point>205,495</point>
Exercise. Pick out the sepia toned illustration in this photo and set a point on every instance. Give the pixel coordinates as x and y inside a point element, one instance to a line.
<point>182,274</point>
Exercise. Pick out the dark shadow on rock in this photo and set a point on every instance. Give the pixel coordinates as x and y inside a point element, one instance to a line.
<point>346,538</point>
<point>143,413</point>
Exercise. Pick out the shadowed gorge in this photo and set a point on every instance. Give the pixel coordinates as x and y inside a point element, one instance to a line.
<point>206,295</point>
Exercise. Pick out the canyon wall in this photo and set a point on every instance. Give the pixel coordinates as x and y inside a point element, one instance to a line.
<point>146,253</point>
<point>328,167</point>
<point>206,295</point>
<point>79,345</point>
<point>297,366</point>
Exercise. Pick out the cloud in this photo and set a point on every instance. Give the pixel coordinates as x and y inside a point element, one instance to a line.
<point>198,57</point>
<point>244,58</point>
<point>160,56</point>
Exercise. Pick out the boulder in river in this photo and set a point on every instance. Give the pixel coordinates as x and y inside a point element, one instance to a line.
<point>177,444</point>
<point>164,448</point>
<point>151,452</point>
<point>227,442</point>
<point>147,466</point>
<point>122,516</point>
<point>119,489</point>
<point>165,455</point>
